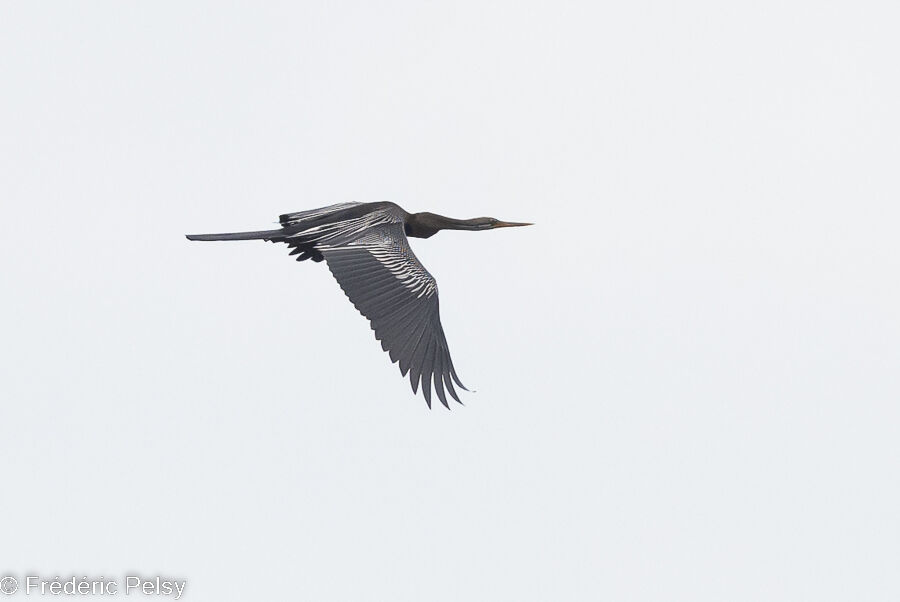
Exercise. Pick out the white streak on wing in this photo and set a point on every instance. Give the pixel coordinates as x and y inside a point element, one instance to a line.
<point>390,250</point>
<point>410,274</point>
<point>345,230</point>
<point>313,213</point>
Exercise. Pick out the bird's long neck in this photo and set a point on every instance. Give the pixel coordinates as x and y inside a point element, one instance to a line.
<point>423,225</point>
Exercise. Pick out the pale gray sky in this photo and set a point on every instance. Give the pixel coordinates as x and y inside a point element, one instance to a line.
<point>687,371</point>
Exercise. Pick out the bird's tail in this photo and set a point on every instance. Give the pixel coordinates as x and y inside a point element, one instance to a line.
<point>258,235</point>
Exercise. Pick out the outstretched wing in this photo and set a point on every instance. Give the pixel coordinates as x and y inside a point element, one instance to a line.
<point>388,285</point>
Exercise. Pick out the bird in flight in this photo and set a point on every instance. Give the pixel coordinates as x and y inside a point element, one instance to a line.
<point>367,250</point>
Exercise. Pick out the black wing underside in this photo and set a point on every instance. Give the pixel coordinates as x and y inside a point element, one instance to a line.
<point>388,285</point>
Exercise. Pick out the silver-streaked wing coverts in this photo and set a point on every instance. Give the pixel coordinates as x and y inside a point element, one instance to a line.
<point>388,285</point>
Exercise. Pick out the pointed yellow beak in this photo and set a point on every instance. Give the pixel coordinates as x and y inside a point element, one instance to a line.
<point>511,224</point>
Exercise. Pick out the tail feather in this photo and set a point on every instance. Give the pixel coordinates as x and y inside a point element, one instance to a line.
<point>258,235</point>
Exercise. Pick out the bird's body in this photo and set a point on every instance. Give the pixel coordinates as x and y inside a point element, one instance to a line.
<point>366,248</point>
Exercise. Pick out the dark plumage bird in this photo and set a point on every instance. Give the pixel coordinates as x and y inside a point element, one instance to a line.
<point>367,251</point>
